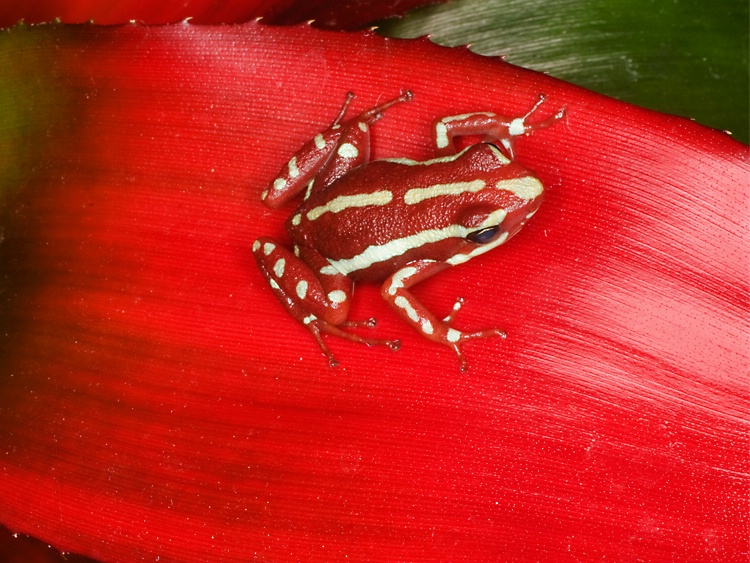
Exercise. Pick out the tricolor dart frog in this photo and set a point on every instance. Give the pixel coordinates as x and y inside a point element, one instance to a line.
<point>394,221</point>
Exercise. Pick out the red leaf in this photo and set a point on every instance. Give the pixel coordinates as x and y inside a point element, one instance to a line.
<point>158,402</point>
<point>332,14</point>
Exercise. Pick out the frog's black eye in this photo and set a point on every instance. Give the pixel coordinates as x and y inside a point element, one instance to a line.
<point>484,236</point>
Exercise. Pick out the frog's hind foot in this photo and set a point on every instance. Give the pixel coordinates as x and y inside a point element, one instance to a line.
<point>369,323</point>
<point>317,327</point>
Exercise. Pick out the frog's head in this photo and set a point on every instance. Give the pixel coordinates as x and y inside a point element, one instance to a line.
<point>499,211</point>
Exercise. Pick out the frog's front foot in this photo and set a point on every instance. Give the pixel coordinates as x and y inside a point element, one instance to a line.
<point>454,338</point>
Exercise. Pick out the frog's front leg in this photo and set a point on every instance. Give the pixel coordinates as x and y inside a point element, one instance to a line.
<point>490,126</point>
<point>395,291</point>
<point>329,155</point>
<point>320,302</point>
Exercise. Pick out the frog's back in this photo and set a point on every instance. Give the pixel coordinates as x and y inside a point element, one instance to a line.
<point>386,213</point>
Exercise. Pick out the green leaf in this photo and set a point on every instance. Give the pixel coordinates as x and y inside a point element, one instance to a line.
<point>684,57</point>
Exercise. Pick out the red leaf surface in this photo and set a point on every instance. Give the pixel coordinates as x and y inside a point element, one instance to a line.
<point>157,401</point>
<point>332,14</point>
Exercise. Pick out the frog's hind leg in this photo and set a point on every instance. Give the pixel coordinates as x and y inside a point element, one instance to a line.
<point>311,293</point>
<point>353,141</point>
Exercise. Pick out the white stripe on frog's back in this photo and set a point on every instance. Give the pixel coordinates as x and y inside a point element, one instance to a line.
<point>442,159</point>
<point>415,195</point>
<point>397,247</point>
<point>525,188</point>
<point>410,162</point>
<point>343,202</point>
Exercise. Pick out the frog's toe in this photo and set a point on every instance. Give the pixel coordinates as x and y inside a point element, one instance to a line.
<point>489,333</point>
<point>368,323</point>
<point>393,344</point>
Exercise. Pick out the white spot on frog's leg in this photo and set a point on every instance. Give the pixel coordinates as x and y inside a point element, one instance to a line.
<point>320,142</point>
<point>278,268</point>
<point>427,327</point>
<point>403,303</point>
<point>517,127</point>
<point>343,202</point>
<point>268,248</point>
<point>293,170</point>
<point>256,246</point>
<point>441,135</point>
<point>279,184</point>
<point>309,189</point>
<point>329,270</point>
<point>273,284</point>
<point>347,150</point>
<point>441,131</point>
<point>530,215</point>
<point>362,126</point>
<point>296,219</point>
<point>301,289</point>
<point>398,279</point>
<point>453,335</point>
<point>308,319</point>
<point>337,296</point>
<point>526,188</point>
<point>296,251</point>
<point>264,195</point>
<point>456,307</point>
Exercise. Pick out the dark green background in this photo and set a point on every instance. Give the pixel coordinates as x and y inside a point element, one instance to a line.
<point>685,57</point>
